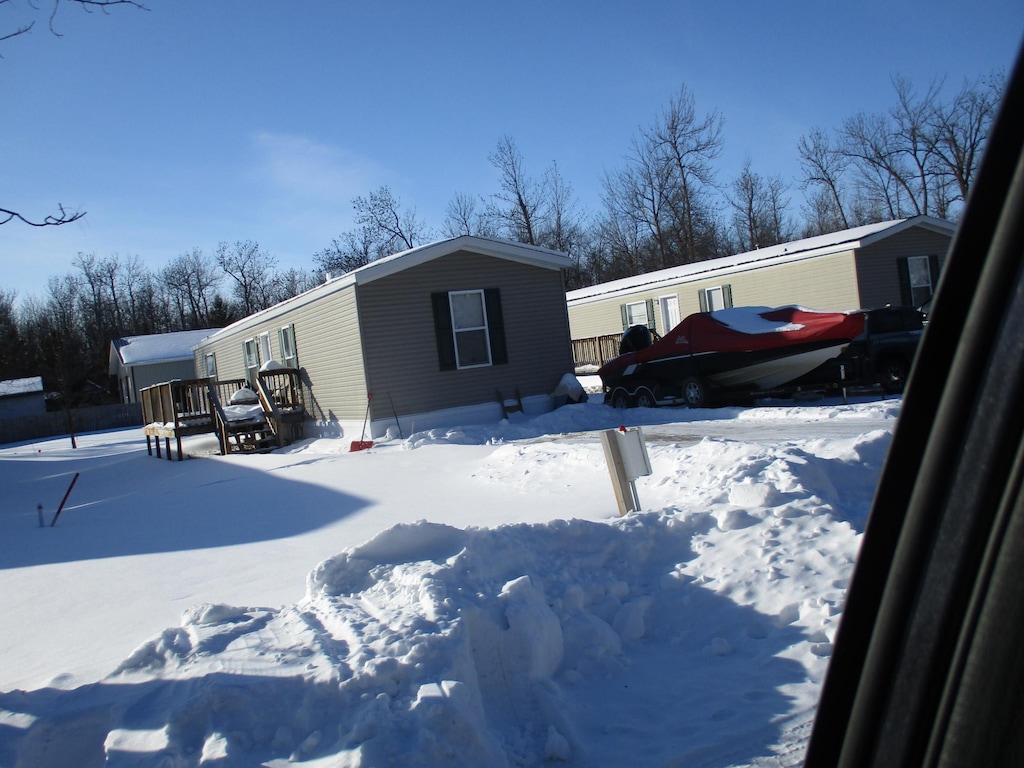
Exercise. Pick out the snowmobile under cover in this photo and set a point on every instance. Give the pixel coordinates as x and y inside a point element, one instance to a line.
<point>730,351</point>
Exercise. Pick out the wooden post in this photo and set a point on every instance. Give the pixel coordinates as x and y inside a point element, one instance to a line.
<point>617,470</point>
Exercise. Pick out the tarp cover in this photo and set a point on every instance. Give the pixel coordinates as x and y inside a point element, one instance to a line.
<point>742,329</point>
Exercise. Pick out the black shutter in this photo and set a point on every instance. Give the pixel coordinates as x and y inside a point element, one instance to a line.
<point>702,297</point>
<point>443,331</point>
<point>495,326</point>
<point>903,269</point>
<point>727,294</point>
<point>652,323</point>
<point>625,317</point>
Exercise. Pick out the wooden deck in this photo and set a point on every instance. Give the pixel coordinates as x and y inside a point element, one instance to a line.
<point>270,419</point>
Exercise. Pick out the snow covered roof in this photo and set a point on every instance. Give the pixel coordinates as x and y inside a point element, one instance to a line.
<point>156,348</point>
<point>389,265</point>
<point>847,239</point>
<point>26,386</point>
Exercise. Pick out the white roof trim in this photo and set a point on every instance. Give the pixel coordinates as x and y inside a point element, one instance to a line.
<point>501,249</point>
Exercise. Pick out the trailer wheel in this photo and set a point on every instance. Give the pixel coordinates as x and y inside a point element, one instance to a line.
<point>621,399</point>
<point>695,392</point>
<point>892,374</point>
<point>645,398</point>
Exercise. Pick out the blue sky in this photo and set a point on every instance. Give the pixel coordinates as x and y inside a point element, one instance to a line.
<point>202,121</point>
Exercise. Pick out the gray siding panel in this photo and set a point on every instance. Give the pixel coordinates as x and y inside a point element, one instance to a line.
<point>401,349</point>
<point>877,264</point>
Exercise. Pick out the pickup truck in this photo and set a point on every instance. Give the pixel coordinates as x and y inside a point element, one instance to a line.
<point>881,356</point>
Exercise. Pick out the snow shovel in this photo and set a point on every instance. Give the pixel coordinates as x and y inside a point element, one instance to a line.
<point>362,443</point>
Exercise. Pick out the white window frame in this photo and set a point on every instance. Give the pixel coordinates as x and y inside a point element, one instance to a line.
<point>211,365</point>
<point>251,355</point>
<point>456,329</point>
<point>266,351</point>
<point>715,298</point>
<point>286,340</point>
<point>641,319</point>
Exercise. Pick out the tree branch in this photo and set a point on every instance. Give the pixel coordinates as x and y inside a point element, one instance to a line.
<point>86,5</point>
<point>65,217</point>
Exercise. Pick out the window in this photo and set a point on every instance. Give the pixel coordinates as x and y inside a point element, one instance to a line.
<point>719,297</point>
<point>469,328</point>
<point>286,341</point>
<point>918,275</point>
<point>469,324</point>
<point>265,352</point>
<point>251,355</point>
<point>638,313</point>
<point>211,365</point>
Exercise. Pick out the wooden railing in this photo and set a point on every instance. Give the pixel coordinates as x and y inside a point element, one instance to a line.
<point>175,409</point>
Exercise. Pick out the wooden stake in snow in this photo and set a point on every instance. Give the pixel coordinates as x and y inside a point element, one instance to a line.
<point>64,500</point>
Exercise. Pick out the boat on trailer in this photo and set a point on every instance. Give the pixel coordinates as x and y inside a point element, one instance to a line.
<point>728,352</point>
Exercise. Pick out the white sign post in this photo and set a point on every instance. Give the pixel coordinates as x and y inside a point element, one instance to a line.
<point>627,458</point>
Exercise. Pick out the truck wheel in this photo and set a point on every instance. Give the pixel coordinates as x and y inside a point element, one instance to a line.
<point>695,392</point>
<point>892,375</point>
<point>621,399</point>
<point>645,398</point>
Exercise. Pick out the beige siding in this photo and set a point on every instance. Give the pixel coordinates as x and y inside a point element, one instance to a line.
<point>824,282</point>
<point>327,346</point>
<point>877,264</point>
<point>401,348</point>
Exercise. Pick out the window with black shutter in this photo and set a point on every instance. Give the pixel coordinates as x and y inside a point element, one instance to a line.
<point>469,328</point>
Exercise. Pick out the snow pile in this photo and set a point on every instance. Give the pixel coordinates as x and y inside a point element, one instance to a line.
<point>694,633</point>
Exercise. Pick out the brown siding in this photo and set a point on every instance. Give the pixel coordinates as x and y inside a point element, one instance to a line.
<point>401,349</point>
<point>877,264</point>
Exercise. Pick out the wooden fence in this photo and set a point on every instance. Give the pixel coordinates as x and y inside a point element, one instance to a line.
<point>91,419</point>
<point>595,351</point>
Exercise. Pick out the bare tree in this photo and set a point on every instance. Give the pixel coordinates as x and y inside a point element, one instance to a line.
<point>463,218</point>
<point>920,157</point>
<point>11,362</point>
<point>191,280</point>
<point>823,167</point>
<point>957,132</point>
<point>688,144</point>
<point>382,228</point>
<point>563,228</point>
<point>637,201</point>
<point>516,210</point>
<point>251,269</point>
<point>665,195</point>
<point>290,283</point>
<point>393,229</point>
<point>759,209</point>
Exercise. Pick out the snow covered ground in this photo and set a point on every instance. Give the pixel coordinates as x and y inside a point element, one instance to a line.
<point>463,597</point>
